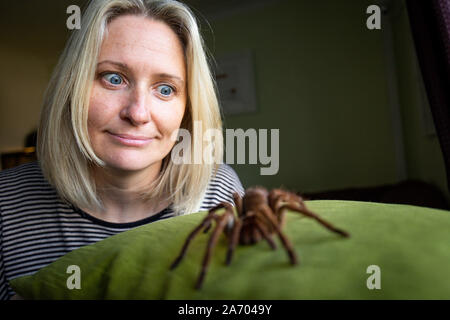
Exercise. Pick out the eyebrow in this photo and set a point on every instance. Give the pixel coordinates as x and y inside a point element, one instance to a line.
<point>125,67</point>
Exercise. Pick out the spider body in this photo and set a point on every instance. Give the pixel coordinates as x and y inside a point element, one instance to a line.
<point>260,215</point>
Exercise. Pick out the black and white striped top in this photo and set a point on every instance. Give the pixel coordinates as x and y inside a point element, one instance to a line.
<point>37,227</point>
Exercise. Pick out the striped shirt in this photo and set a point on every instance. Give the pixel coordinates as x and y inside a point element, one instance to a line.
<point>37,226</point>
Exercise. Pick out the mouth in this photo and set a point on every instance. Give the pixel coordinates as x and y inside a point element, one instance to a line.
<point>130,140</point>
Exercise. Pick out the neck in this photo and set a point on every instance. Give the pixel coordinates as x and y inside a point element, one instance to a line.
<point>120,192</point>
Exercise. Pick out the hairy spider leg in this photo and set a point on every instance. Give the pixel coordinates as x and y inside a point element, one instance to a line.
<point>221,223</point>
<point>245,236</point>
<point>256,230</point>
<point>238,203</point>
<point>256,234</point>
<point>250,234</point>
<point>308,213</point>
<point>191,236</point>
<point>234,238</point>
<point>279,214</point>
<point>214,209</point>
<point>236,226</point>
<point>265,233</point>
<point>280,199</point>
<point>284,240</point>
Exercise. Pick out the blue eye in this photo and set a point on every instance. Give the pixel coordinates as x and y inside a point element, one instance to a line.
<point>113,78</point>
<point>165,90</point>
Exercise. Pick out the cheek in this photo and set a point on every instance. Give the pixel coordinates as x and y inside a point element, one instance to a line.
<point>93,118</point>
<point>99,111</point>
<point>95,106</point>
<point>169,117</point>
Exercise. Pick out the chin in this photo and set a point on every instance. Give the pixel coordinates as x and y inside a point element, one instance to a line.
<point>130,162</point>
<point>127,167</point>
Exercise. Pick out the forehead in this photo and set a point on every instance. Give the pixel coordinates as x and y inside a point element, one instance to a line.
<point>144,43</point>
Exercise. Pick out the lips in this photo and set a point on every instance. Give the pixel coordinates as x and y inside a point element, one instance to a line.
<point>130,140</point>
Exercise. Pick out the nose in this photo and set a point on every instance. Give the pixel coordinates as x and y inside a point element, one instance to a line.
<point>136,109</point>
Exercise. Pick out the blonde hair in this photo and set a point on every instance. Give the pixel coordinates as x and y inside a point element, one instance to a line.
<point>64,150</point>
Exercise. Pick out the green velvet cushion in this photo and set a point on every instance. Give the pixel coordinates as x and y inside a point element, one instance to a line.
<point>411,246</point>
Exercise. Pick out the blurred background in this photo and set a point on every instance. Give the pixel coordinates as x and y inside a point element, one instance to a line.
<point>350,105</point>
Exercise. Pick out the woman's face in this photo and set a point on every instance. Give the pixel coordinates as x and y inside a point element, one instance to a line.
<point>139,94</point>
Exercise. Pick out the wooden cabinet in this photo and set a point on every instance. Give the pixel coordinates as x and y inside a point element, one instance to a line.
<point>14,158</point>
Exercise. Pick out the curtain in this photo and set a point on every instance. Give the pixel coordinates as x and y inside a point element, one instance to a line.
<point>430,26</point>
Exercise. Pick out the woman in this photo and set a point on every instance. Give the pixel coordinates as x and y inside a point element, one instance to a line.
<point>127,81</point>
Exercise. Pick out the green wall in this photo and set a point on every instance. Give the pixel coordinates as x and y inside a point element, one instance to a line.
<point>320,78</point>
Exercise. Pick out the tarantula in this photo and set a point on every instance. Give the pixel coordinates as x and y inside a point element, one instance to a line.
<point>260,214</point>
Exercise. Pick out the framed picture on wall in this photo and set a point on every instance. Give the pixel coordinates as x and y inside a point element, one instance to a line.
<point>236,83</point>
